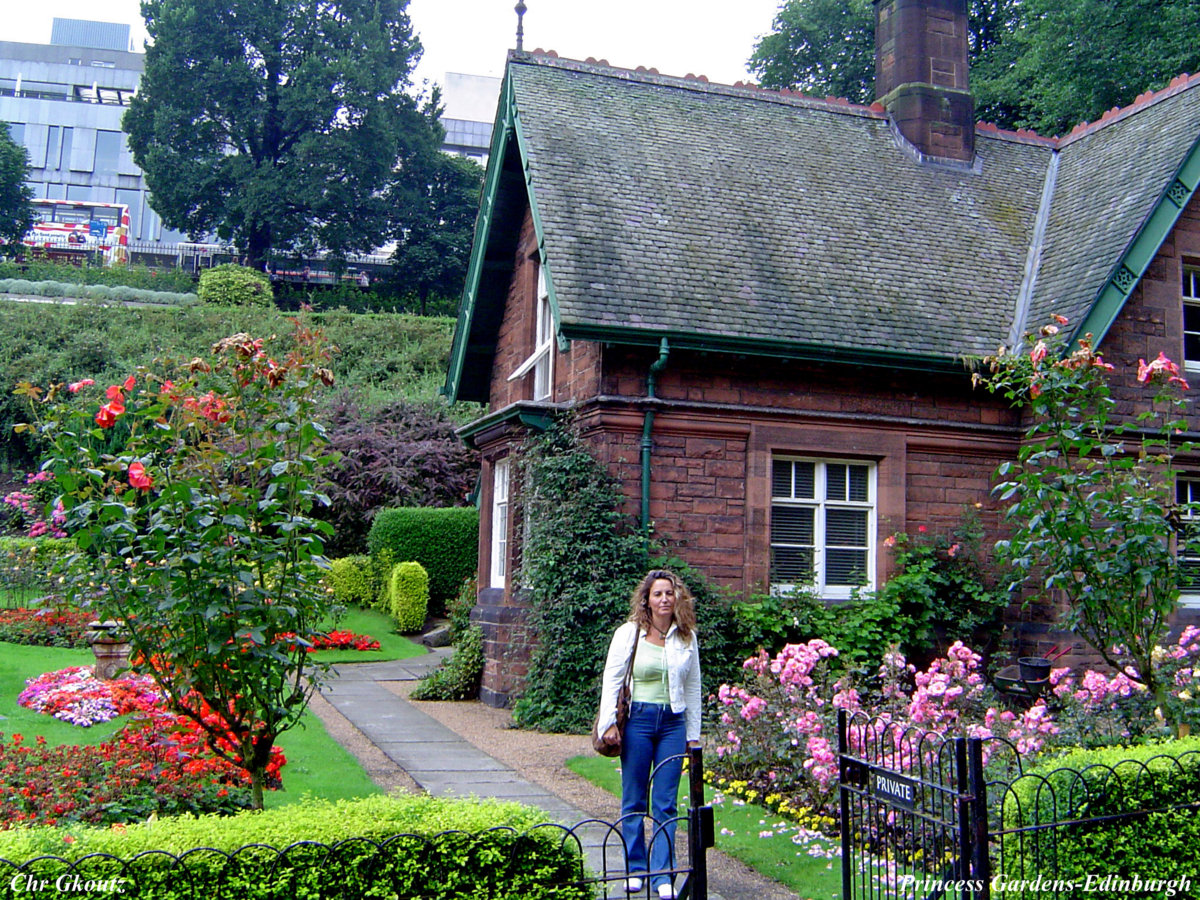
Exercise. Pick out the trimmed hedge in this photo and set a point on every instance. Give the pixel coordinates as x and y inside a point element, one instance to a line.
<point>408,596</point>
<point>1092,783</point>
<point>101,293</point>
<point>445,541</point>
<point>233,285</point>
<point>350,580</point>
<point>377,847</point>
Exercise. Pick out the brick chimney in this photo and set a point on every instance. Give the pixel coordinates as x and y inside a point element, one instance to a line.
<point>921,74</point>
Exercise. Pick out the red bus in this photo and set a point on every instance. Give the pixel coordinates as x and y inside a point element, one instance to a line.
<point>65,229</point>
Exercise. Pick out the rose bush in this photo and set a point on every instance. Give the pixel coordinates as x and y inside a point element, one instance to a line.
<point>188,488</point>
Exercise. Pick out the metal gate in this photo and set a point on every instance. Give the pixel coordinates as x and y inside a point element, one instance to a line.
<point>913,812</point>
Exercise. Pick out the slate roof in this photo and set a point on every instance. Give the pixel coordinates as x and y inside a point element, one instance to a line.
<point>755,221</point>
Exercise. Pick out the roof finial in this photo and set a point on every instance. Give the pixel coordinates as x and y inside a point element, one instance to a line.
<point>520,10</point>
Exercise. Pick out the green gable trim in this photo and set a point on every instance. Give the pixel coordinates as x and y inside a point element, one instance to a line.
<point>680,340</point>
<point>1142,249</point>
<point>502,129</point>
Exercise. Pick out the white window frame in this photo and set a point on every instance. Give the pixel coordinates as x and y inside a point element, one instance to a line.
<point>1187,490</point>
<point>500,516</point>
<point>1190,292</point>
<point>541,361</point>
<point>820,503</point>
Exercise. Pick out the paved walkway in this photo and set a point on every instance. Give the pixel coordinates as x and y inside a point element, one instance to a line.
<point>445,764</point>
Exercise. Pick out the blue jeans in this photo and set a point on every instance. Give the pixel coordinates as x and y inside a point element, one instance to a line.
<point>652,735</point>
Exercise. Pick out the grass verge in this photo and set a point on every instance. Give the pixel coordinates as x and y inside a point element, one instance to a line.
<point>317,765</point>
<point>748,833</point>
<point>376,624</point>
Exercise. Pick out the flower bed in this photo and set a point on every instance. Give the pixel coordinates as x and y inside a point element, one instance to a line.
<point>45,627</point>
<point>335,640</point>
<point>159,763</point>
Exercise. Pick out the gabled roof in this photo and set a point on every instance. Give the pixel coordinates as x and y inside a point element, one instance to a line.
<point>731,218</point>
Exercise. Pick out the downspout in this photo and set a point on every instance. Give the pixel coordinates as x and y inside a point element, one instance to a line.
<point>647,427</point>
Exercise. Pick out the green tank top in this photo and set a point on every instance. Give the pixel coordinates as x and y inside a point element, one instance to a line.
<point>650,675</point>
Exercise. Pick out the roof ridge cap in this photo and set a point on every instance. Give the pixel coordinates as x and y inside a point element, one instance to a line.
<point>1177,85</point>
<point>691,81</point>
<point>1021,135</point>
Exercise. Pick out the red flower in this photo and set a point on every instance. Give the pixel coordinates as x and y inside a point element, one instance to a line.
<point>105,417</point>
<point>138,477</point>
<point>114,392</point>
<point>76,386</point>
<point>130,382</point>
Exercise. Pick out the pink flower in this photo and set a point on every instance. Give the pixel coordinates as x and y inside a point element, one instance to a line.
<point>1038,353</point>
<point>138,477</point>
<point>76,386</point>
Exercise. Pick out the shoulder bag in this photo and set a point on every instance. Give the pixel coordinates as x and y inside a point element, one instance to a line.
<point>610,746</point>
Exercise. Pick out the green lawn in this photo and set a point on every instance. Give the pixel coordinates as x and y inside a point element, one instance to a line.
<point>378,625</point>
<point>317,765</point>
<point>746,832</point>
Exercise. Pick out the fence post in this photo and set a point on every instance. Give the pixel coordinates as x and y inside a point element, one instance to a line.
<point>700,826</point>
<point>843,726</point>
<point>977,784</point>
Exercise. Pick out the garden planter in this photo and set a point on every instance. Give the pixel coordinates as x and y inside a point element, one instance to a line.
<point>110,647</point>
<point>1034,668</point>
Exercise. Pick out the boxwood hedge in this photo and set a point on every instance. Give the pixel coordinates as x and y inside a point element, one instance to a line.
<point>378,847</point>
<point>445,541</point>
<point>1133,812</point>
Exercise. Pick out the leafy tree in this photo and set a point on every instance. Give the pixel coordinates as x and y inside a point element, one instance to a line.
<point>279,124</point>
<point>16,215</point>
<point>436,214</point>
<point>188,489</point>
<point>828,46</point>
<point>1074,59</point>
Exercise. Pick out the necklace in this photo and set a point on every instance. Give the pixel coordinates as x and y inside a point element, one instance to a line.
<point>662,634</point>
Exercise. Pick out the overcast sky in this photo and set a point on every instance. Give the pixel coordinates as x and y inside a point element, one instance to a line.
<point>704,37</point>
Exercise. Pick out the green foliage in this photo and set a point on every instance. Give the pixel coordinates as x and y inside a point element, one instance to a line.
<point>941,588</point>
<point>493,850</point>
<point>827,47</point>
<point>457,678</point>
<point>1084,784</point>
<point>379,358</point>
<point>580,561</point>
<point>233,285</point>
<point>1091,495</point>
<point>459,609</point>
<point>192,519</point>
<point>16,214</point>
<point>1072,60</point>
<point>350,582</point>
<point>291,127</point>
<point>862,629</point>
<point>167,280</point>
<point>438,214</point>
<point>101,293</point>
<point>408,596</point>
<point>445,541</point>
<point>394,455</point>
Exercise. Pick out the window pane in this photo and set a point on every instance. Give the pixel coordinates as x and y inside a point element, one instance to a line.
<point>835,481</point>
<point>845,568</point>
<point>1191,317</point>
<point>792,525</point>
<point>108,148</point>
<point>846,527</point>
<point>859,483</point>
<point>791,565</point>
<point>1191,346</point>
<point>781,478</point>
<point>806,480</point>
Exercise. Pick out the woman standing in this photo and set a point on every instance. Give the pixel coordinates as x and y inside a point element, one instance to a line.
<point>664,718</point>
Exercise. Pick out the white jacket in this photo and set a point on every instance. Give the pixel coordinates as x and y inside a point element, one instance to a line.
<point>683,676</point>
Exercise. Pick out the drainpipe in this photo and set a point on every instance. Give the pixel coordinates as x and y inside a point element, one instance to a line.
<point>647,426</point>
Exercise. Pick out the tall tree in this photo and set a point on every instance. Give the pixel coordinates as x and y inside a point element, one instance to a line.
<point>16,215</point>
<point>1074,59</point>
<point>279,123</point>
<point>436,218</point>
<point>828,46</point>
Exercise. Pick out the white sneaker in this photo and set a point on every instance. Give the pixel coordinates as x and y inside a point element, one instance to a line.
<point>633,885</point>
<point>666,891</point>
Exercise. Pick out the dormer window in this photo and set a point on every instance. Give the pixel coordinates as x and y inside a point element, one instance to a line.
<point>541,361</point>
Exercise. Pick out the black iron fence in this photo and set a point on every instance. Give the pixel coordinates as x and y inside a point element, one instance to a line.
<point>547,862</point>
<point>925,817</point>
